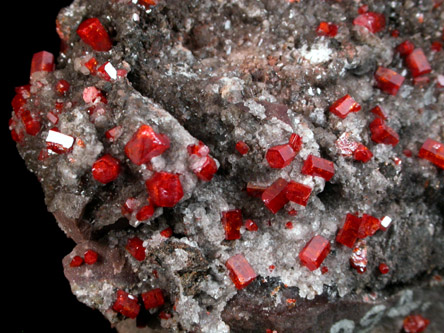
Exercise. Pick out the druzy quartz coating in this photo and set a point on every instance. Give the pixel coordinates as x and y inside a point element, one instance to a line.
<point>207,157</point>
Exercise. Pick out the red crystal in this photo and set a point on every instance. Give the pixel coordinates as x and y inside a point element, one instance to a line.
<point>395,33</point>
<point>274,196</point>
<point>165,189</point>
<point>358,259</point>
<point>17,135</point>
<point>415,324</point>
<point>279,157</point>
<point>167,233</point>
<point>314,252</point>
<point>42,61</point>
<point>362,153</point>
<point>382,133</point>
<point>363,9</point>
<point>289,225</point>
<point>388,81</point>
<point>146,144</point>
<point>317,166</point>
<point>204,168</point>
<point>90,257</point>
<point>343,106</point>
<point>421,80</point>
<point>433,151</point>
<point>240,271</point>
<point>199,149</point>
<point>164,315</point>
<point>147,3</point>
<point>18,102</point>
<point>93,95</point>
<point>295,142</point>
<point>327,29</point>
<point>255,190</point>
<point>374,22</point>
<point>153,298</point>
<point>242,147</point>
<point>145,212</point>
<point>383,268</point>
<point>405,48</point>
<point>324,270</point>
<point>348,234</point>
<point>250,225</point>
<point>114,133</point>
<point>378,111</point>
<point>126,304</point>
<point>106,169</point>
<point>436,46</point>
<point>62,87</point>
<point>369,225</point>
<point>92,32</point>
<point>232,222</point>
<point>298,193</point>
<point>53,118</point>
<point>417,63</point>
<point>76,261</point>
<point>92,64</point>
<point>32,125</point>
<point>135,247</point>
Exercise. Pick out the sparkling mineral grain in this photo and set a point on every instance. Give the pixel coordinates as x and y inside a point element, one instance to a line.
<point>235,166</point>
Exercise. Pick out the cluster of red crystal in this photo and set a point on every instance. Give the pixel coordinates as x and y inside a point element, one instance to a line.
<point>382,133</point>
<point>126,304</point>
<point>135,247</point>
<point>106,169</point>
<point>93,33</point>
<point>374,22</point>
<point>317,166</point>
<point>327,29</point>
<point>280,156</point>
<point>343,106</point>
<point>164,189</point>
<point>433,151</point>
<point>417,63</point>
<point>146,144</point>
<point>415,324</point>
<point>242,147</point>
<point>358,259</point>
<point>22,116</point>
<point>314,252</point>
<point>388,80</point>
<point>240,271</point>
<point>355,227</point>
<point>232,222</point>
<point>202,164</point>
<point>153,299</point>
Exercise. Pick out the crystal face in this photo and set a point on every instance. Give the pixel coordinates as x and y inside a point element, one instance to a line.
<point>240,271</point>
<point>232,222</point>
<point>343,106</point>
<point>388,81</point>
<point>315,252</point>
<point>317,166</point>
<point>92,32</point>
<point>417,63</point>
<point>274,197</point>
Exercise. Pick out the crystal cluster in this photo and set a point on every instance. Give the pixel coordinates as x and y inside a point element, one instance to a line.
<point>215,159</point>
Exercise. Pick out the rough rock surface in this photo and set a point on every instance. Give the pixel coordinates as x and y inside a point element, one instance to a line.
<point>252,71</point>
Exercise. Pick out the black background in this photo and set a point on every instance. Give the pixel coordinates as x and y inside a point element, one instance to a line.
<point>35,296</point>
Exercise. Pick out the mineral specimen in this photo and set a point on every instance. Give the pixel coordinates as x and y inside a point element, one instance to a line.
<point>230,166</point>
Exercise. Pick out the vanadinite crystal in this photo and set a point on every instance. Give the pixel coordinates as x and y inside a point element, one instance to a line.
<point>42,61</point>
<point>146,144</point>
<point>317,166</point>
<point>153,298</point>
<point>165,189</point>
<point>417,63</point>
<point>405,48</point>
<point>92,32</point>
<point>415,324</point>
<point>76,261</point>
<point>343,106</point>
<point>135,247</point>
<point>298,193</point>
<point>383,268</point>
<point>362,153</point>
<point>327,29</point>
<point>145,212</point>
<point>314,252</point>
<point>374,22</point>
<point>242,147</point>
<point>348,234</point>
<point>382,133</point>
<point>232,222</point>
<point>106,169</point>
<point>279,157</point>
<point>379,111</point>
<point>433,151</point>
<point>358,259</point>
<point>204,168</point>
<point>250,225</point>
<point>368,226</point>
<point>274,197</point>
<point>90,257</point>
<point>388,80</point>
<point>126,304</point>
<point>240,271</point>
